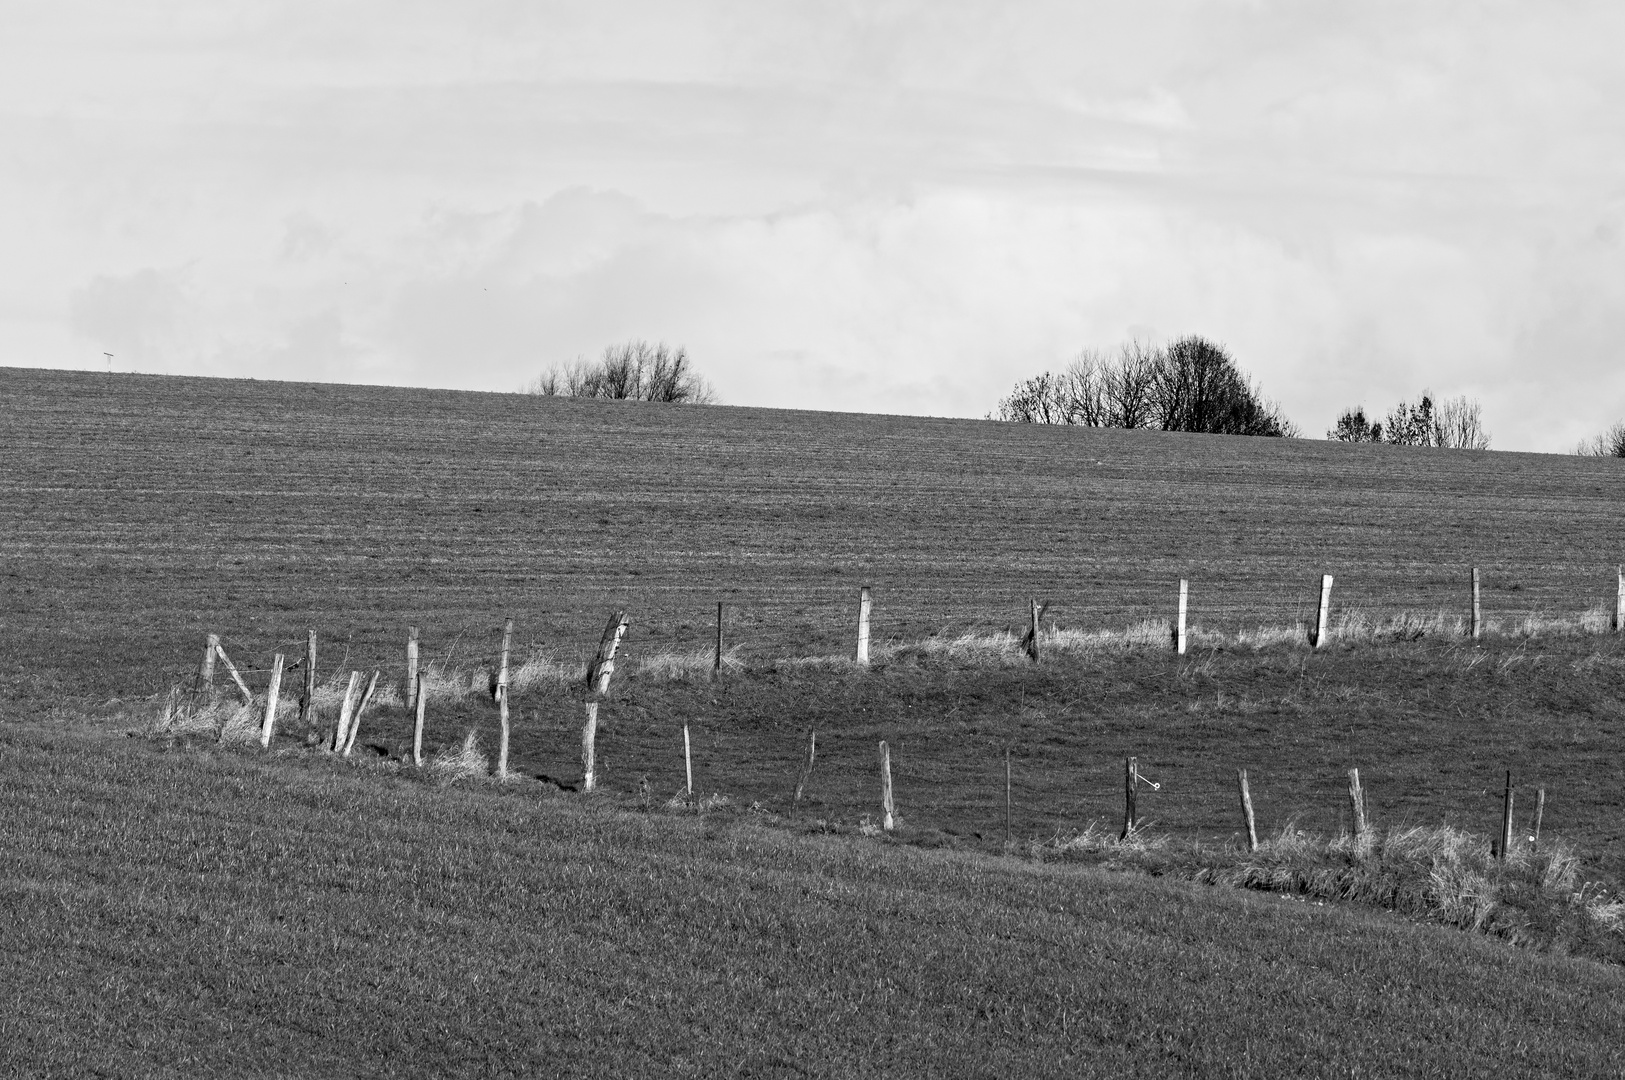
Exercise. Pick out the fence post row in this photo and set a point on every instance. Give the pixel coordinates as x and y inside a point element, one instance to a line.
<point>863,625</point>
<point>1323,613</point>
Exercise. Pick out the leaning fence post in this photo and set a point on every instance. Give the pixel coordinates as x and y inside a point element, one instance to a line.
<point>1323,614</point>
<point>341,728</point>
<point>688,764</point>
<point>589,735</point>
<point>502,670</point>
<point>1131,780</point>
<point>417,726</point>
<point>603,663</point>
<point>307,700</point>
<point>1506,820</point>
<point>271,694</point>
<point>1540,812</point>
<point>236,677</point>
<point>1475,628</point>
<point>411,666</point>
<point>812,758</point>
<point>1357,805</point>
<point>361,706</point>
<point>1179,625</point>
<point>886,809</point>
<point>1247,809</point>
<point>205,675</point>
<point>863,625</point>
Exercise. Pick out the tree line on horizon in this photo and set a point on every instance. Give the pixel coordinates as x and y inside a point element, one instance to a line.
<point>630,371</point>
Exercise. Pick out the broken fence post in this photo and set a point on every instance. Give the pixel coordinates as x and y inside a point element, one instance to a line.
<point>231,669</point>
<point>1131,780</point>
<point>502,671</point>
<point>812,757</point>
<point>417,727</point>
<point>603,663</point>
<point>271,694</point>
<point>1247,809</point>
<point>1323,613</point>
<point>863,625</point>
<point>411,666</point>
<point>361,706</point>
<point>341,727</point>
<point>1179,624</point>
<point>589,735</point>
<point>205,675</point>
<point>887,810</point>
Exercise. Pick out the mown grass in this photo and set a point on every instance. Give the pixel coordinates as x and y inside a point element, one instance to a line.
<point>190,911</point>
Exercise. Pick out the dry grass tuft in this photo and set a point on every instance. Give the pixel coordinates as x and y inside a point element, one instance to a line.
<point>678,665</point>
<point>467,762</point>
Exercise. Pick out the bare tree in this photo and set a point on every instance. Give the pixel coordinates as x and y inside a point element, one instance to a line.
<point>1452,423</point>
<point>634,370</point>
<point>1611,443</point>
<point>1352,426</point>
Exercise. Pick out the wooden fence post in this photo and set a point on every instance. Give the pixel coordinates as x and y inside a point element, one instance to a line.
<point>1506,820</point>
<point>716,666</point>
<point>502,670</point>
<point>341,728</point>
<point>603,663</point>
<point>1032,632</point>
<point>1619,604</point>
<point>271,694</point>
<point>1179,625</point>
<point>205,675</point>
<point>1007,796</point>
<point>1247,809</point>
<point>863,625</point>
<point>1540,812</point>
<point>236,677</point>
<point>1357,805</point>
<point>1131,781</point>
<point>361,706</point>
<point>589,735</point>
<point>502,740</point>
<point>812,758</point>
<point>886,809</point>
<point>688,764</point>
<point>1475,627</point>
<point>411,666</point>
<point>1323,614</point>
<point>417,726</point>
<point>307,700</point>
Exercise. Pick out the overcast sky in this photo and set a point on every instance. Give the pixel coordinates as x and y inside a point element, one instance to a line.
<point>882,207</point>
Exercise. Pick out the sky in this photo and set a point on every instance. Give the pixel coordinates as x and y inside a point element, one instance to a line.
<point>886,207</point>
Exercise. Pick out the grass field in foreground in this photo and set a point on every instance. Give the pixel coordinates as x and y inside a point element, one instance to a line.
<point>192,912</point>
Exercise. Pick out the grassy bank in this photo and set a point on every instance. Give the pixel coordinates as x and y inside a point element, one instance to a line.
<point>192,910</point>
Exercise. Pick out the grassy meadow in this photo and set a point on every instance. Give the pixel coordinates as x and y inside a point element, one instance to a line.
<point>189,902</point>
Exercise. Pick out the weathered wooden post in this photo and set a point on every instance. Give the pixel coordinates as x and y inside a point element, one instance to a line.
<point>502,669</point>
<point>716,666</point>
<point>1619,604</point>
<point>1032,632</point>
<point>1506,820</point>
<point>502,739</point>
<point>411,666</point>
<point>205,675</point>
<point>1247,809</point>
<point>341,727</point>
<point>1540,812</point>
<point>1475,628</point>
<point>417,727</point>
<point>361,707</point>
<point>863,625</point>
<point>603,663</point>
<point>1357,805</point>
<point>1323,614</point>
<point>589,735</point>
<point>887,811</point>
<point>307,700</point>
<point>1179,624</point>
<point>688,765</point>
<point>271,694</point>
<point>812,758</point>
<point>1131,781</point>
<point>236,676</point>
